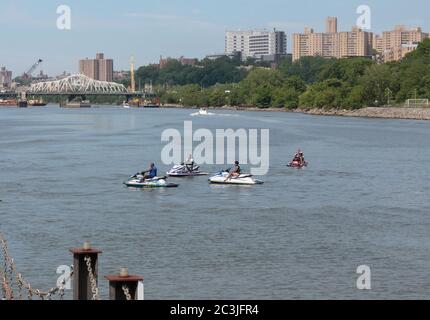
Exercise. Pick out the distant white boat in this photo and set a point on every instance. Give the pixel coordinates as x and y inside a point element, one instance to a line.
<point>126,105</point>
<point>202,112</point>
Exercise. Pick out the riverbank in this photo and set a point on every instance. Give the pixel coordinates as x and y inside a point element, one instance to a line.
<point>373,112</point>
<point>369,112</point>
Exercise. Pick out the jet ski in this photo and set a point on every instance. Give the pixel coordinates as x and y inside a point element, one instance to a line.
<point>202,112</point>
<point>243,179</point>
<point>184,170</point>
<point>298,161</point>
<point>137,181</point>
<point>296,164</point>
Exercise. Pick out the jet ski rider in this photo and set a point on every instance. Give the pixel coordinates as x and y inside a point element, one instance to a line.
<point>150,173</point>
<point>299,157</point>
<point>235,172</point>
<point>189,164</point>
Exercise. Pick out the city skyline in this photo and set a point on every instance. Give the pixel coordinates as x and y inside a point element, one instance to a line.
<point>148,30</point>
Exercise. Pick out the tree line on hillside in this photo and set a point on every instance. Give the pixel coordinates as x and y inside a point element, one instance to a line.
<point>311,82</point>
<point>206,73</point>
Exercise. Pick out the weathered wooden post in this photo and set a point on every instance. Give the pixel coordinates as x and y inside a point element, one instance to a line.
<point>125,286</point>
<point>85,259</point>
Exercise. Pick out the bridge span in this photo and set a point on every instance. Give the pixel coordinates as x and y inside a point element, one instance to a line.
<point>79,85</point>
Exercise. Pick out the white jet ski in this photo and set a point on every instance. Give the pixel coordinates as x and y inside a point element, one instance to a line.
<point>137,181</point>
<point>185,170</point>
<point>202,112</point>
<point>243,179</point>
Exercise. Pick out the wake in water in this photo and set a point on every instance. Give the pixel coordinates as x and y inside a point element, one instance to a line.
<point>204,113</point>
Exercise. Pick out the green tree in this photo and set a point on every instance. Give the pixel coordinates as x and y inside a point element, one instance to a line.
<point>288,95</point>
<point>355,98</point>
<point>259,87</point>
<point>350,70</point>
<point>375,82</point>
<point>219,95</point>
<point>307,68</point>
<point>414,80</point>
<point>206,73</point>
<point>331,93</point>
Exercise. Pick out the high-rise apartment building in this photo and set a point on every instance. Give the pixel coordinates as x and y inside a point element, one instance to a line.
<point>333,44</point>
<point>90,68</point>
<point>256,43</point>
<point>394,45</point>
<point>331,25</point>
<point>98,68</point>
<point>5,78</point>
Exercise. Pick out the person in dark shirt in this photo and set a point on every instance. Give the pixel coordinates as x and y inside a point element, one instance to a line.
<point>150,173</point>
<point>235,172</point>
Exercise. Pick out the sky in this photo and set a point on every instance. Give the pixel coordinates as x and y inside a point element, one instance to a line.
<point>148,29</point>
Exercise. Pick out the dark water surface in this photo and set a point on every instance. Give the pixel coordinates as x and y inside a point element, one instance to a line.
<point>363,200</point>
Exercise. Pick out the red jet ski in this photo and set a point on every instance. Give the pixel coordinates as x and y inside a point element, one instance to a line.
<point>298,161</point>
<point>297,164</point>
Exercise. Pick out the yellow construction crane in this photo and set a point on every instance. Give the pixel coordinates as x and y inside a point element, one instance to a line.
<point>133,82</point>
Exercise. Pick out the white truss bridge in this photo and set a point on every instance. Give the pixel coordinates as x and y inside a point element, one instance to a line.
<point>78,84</point>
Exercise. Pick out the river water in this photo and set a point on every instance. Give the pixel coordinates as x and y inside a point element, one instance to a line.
<point>364,200</point>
